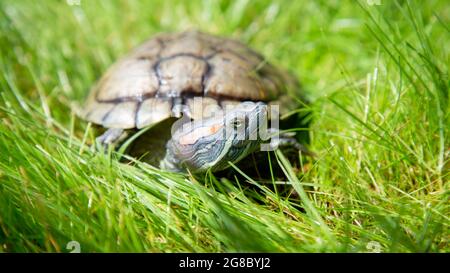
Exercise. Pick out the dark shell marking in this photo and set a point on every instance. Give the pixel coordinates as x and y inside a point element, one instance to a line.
<point>171,70</point>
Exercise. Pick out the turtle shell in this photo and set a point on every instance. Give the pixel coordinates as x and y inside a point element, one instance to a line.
<point>190,70</point>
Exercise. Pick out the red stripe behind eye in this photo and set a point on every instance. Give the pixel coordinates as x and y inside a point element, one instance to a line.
<point>192,137</point>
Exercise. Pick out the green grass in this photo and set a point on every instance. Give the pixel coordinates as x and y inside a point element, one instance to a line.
<point>378,79</point>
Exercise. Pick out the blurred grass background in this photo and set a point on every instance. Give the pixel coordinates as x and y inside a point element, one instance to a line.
<point>376,71</point>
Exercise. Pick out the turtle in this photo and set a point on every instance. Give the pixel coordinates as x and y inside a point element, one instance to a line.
<point>220,88</point>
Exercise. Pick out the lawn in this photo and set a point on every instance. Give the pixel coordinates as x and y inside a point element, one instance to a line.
<point>376,73</point>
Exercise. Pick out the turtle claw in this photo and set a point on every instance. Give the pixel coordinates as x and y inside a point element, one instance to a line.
<point>286,140</point>
<point>111,137</point>
<point>292,142</point>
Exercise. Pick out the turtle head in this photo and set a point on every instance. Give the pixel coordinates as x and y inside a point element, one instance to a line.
<point>214,142</point>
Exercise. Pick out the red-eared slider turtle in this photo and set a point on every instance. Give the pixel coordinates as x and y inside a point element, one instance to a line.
<point>197,75</point>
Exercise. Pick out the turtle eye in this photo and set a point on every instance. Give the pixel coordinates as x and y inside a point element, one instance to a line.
<point>237,123</point>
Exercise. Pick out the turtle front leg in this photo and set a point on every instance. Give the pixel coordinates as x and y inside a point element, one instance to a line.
<point>111,137</point>
<point>287,140</point>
